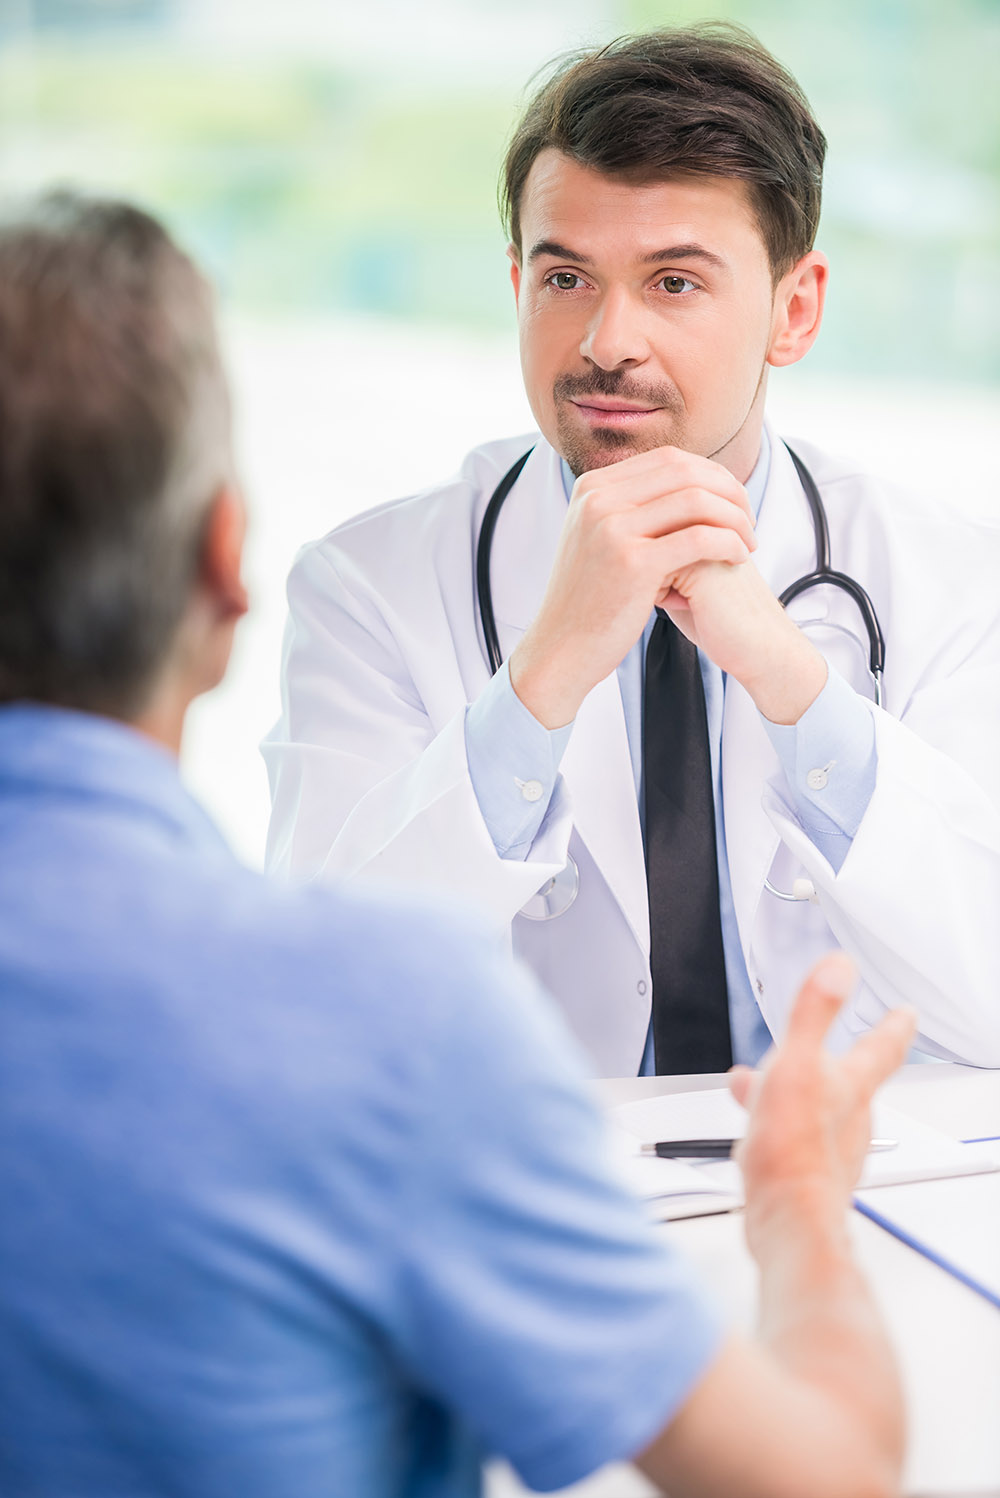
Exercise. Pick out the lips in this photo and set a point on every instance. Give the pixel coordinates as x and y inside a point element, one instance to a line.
<point>605,405</point>
<point>614,415</point>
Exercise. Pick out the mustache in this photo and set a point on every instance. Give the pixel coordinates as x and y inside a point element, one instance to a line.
<point>614,382</point>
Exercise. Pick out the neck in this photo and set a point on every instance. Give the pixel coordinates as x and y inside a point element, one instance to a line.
<point>166,730</point>
<point>742,450</point>
<point>196,665</point>
<point>162,719</point>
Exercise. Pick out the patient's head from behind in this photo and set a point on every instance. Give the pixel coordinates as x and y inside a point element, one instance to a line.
<point>120,528</point>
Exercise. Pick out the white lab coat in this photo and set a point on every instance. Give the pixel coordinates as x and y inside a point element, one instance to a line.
<point>369,775</point>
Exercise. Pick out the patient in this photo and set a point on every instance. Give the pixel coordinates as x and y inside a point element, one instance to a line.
<point>300,1194</point>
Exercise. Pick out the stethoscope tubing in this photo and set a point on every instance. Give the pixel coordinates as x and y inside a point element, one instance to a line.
<point>484,550</point>
<point>825,575</point>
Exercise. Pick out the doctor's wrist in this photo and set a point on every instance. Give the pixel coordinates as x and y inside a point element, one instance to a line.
<point>790,682</point>
<point>545,686</point>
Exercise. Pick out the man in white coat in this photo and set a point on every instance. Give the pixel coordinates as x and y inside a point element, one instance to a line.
<point>662,198</point>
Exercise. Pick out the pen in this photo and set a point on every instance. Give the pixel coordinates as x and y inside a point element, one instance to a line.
<point>680,1149</point>
<point>721,1149</point>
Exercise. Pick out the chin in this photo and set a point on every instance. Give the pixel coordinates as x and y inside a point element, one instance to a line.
<point>600,448</point>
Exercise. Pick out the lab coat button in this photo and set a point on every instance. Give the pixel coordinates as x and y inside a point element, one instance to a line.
<point>816,780</point>
<point>531,790</point>
<point>641,986</point>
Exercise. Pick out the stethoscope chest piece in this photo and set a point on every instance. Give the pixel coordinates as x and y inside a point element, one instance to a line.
<point>555,897</point>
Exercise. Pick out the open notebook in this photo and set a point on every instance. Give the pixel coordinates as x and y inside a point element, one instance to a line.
<point>682,1188</point>
<point>671,1188</point>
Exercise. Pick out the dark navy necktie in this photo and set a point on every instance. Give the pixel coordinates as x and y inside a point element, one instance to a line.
<point>690,998</point>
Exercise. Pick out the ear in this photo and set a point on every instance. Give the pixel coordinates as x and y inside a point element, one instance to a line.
<point>221,570</point>
<point>514,257</point>
<point>798,310</point>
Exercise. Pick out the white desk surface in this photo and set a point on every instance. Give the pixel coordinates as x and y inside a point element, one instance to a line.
<point>947,1338</point>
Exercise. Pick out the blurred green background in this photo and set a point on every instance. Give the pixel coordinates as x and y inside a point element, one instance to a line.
<point>333,163</point>
<point>334,156</point>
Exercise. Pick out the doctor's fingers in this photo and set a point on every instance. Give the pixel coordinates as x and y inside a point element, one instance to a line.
<point>665,514</point>
<point>655,474</point>
<point>669,556</point>
<point>876,1055</point>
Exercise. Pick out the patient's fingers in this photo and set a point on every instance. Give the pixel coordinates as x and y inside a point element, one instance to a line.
<point>743,1084</point>
<point>820,999</point>
<point>880,1052</point>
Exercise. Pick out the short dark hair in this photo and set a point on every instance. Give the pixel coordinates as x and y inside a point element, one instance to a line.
<point>702,101</point>
<point>114,438</point>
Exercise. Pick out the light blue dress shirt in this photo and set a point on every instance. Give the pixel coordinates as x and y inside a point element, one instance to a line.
<point>303,1196</point>
<point>508,747</point>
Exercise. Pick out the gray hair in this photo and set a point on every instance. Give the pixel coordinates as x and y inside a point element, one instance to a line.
<point>114,438</point>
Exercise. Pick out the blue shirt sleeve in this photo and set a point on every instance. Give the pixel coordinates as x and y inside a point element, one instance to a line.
<point>538,1301</point>
<point>830,761</point>
<point>513,764</point>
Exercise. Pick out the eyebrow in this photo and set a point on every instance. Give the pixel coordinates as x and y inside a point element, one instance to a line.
<point>549,249</point>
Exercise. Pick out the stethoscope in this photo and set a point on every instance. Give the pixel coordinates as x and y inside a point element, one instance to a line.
<point>560,892</point>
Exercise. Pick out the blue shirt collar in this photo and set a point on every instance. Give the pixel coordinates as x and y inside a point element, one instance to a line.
<point>755,484</point>
<point>58,751</point>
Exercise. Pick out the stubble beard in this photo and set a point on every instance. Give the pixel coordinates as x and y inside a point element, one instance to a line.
<point>602,446</point>
<point>599,448</point>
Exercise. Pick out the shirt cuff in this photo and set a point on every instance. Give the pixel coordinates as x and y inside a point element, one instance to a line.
<point>830,761</point>
<point>513,765</point>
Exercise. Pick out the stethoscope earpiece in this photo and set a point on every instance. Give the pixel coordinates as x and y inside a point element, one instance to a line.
<point>802,889</point>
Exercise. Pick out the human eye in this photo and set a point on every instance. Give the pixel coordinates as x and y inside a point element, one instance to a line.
<point>564,280</point>
<point>676,285</point>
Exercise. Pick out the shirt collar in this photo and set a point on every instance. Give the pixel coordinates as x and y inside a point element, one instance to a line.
<point>57,751</point>
<point>755,484</point>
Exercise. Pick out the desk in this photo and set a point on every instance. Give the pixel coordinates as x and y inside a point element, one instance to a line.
<point>947,1338</point>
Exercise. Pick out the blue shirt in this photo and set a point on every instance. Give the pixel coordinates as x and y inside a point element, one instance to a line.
<point>836,729</point>
<point>301,1192</point>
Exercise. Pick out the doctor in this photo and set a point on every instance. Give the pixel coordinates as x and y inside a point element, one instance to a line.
<point>666,753</point>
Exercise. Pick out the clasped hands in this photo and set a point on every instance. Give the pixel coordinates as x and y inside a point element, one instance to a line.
<point>668,529</point>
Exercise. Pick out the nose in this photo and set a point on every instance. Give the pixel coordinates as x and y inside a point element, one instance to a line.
<point>615,334</point>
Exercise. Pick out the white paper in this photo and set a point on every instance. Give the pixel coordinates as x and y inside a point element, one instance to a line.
<point>676,1188</point>
<point>711,1114</point>
<point>921,1153</point>
<point>959,1220</point>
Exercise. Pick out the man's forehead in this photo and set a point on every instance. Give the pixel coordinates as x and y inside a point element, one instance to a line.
<point>566,204</point>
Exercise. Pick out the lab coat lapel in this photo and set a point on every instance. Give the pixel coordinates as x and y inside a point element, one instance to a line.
<point>597,766</point>
<point>786,551</point>
<point>598,770</point>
